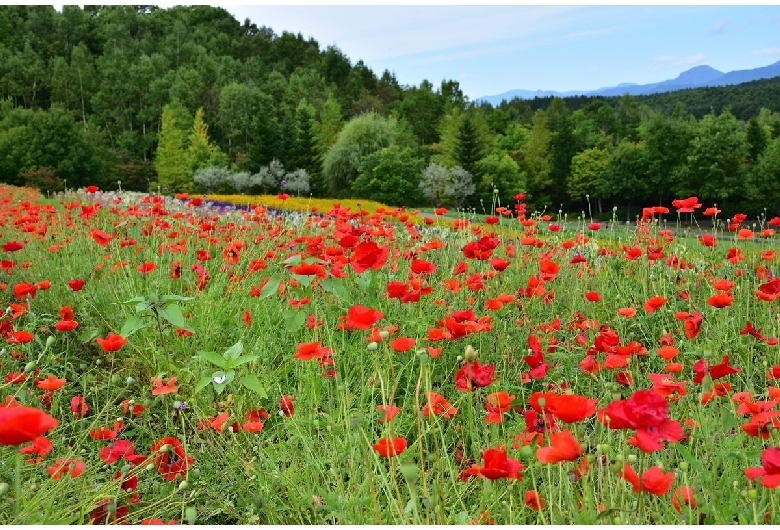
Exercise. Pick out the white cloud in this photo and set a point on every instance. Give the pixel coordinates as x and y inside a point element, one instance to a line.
<point>667,61</point>
<point>720,25</point>
<point>765,52</point>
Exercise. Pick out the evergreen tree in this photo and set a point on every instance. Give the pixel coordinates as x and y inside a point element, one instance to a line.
<point>757,138</point>
<point>306,154</point>
<point>468,150</point>
<point>200,149</point>
<point>171,159</point>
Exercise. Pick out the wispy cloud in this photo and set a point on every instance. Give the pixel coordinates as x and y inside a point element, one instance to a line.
<point>720,25</point>
<point>667,61</point>
<point>765,52</point>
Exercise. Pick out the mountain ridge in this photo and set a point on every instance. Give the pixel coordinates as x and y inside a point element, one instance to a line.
<point>696,77</point>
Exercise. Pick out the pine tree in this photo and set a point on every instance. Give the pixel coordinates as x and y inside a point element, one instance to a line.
<point>468,150</point>
<point>306,155</point>
<point>200,149</point>
<point>171,159</point>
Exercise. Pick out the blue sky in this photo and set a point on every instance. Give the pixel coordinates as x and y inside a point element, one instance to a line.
<point>494,49</point>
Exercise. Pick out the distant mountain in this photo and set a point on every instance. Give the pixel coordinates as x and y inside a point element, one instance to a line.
<point>696,77</point>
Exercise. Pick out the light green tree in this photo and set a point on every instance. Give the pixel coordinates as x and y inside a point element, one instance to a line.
<point>171,159</point>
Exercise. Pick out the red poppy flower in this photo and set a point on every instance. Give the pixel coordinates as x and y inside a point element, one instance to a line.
<point>100,237</point>
<point>438,406</point>
<point>79,407</point>
<point>22,290</point>
<point>686,205</point>
<point>146,268</point>
<point>74,468</point>
<point>569,408</point>
<point>534,501</point>
<point>161,388</point>
<point>112,342</point>
<point>20,337</point>
<point>692,325</point>
<point>654,480</point>
<point>420,266</point>
<point>169,457</point>
<point>402,344</point>
<point>720,300</point>
<point>12,246</point>
<point>51,383</point>
<point>361,318</point>
<point>496,465</point>
<point>497,404</point>
<point>76,285</point>
<point>646,412</point>
<point>563,447</point>
<point>22,424</point>
<point>389,447</point>
<point>473,375</point>
<point>311,350</point>
<point>286,405</point>
<point>386,413</point>
<point>116,450</point>
<point>41,446</point>
<point>66,325</point>
<point>369,255</point>
<point>683,495</point>
<point>654,303</point>
<point>592,296</point>
<point>91,189</point>
<point>770,472</point>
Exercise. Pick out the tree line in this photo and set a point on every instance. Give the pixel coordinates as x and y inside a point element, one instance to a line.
<point>190,99</point>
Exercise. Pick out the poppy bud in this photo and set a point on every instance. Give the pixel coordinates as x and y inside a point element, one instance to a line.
<point>683,466</point>
<point>165,448</point>
<point>752,494</point>
<point>4,487</point>
<point>29,367</point>
<point>50,340</point>
<point>183,485</point>
<point>372,346</point>
<point>471,354</point>
<point>130,381</point>
<point>617,521</point>
<point>632,459</point>
<point>384,334</point>
<point>191,514</point>
<point>526,452</point>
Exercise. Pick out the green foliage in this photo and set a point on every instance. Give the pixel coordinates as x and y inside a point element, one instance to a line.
<point>757,137</point>
<point>201,152</point>
<point>763,185</point>
<point>231,359</point>
<point>390,175</point>
<point>360,137</point>
<point>715,159</point>
<point>501,179</point>
<point>172,159</point>
<point>43,179</point>
<point>587,171</point>
<point>627,178</point>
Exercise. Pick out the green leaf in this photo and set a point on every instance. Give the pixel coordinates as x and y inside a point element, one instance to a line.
<point>132,300</point>
<point>172,313</point>
<point>335,287</point>
<point>270,288</point>
<point>234,351</point>
<point>304,280</point>
<point>203,383</point>
<point>313,259</point>
<point>88,335</point>
<point>365,280</point>
<point>294,320</point>
<point>213,358</point>
<point>292,260</point>
<point>251,382</point>
<point>132,324</point>
<point>243,360</point>
<point>175,297</point>
<point>220,380</point>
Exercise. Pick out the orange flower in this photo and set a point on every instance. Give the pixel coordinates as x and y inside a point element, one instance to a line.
<point>439,406</point>
<point>563,448</point>
<point>161,388</point>
<point>112,342</point>
<point>51,383</point>
<point>654,480</point>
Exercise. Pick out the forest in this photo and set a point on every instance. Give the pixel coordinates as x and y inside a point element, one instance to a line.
<point>189,99</point>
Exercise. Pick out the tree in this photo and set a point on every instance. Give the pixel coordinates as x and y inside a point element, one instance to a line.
<point>446,187</point>
<point>171,159</point>
<point>587,172</point>
<point>390,175</point>
<point>501,179</point>
<point>763,182</point>
<point>329,126</point>
<point>201,150</point>
<point>306,155</point>
<point>537,163</point>
<point>562,148</point>
<point>667,143</point>
<point>360,137</point>
<point>757,137</point>
<point>423,108</point>
<point>626,180</point>
<point>468,150</point>
<point>715,159</point>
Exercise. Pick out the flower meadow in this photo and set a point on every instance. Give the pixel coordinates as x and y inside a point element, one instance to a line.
<point>174,360</point>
